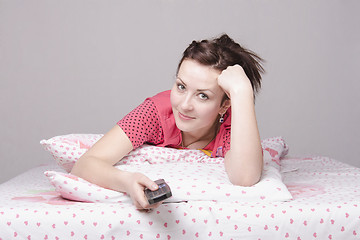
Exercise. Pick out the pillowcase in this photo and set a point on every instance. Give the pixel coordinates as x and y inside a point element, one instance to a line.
<point>67,149</point>
<point>191,175</point>
<point>197,176</point>
<point>77,189</point>
<point>274,148</point>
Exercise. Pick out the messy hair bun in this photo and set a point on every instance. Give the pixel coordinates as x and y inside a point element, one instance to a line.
<point>222,52</point>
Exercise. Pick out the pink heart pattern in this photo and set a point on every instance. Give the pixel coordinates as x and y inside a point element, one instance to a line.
<point>325,205</point>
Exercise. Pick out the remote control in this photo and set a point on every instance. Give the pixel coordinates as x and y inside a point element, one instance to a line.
<point>162,193</point>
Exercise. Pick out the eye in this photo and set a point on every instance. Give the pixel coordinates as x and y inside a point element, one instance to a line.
<point>180,87</point>
<point>203,96</point>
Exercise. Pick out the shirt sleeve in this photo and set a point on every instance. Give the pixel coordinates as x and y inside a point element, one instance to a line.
<point>142,125</point>
<point>226,141</point>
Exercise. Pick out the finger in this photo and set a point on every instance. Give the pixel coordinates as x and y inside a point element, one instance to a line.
<point>141,202</point>
<point>143,205</point>
<point>147,182</point>
<point>146,205</point>
<point>137,205</point>
<point>139,192</point>
<point>153,206</point>
<point>140,199</point>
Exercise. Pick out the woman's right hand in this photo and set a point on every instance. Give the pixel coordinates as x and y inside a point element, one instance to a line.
<point>135,186</point>
<point>97,166</point>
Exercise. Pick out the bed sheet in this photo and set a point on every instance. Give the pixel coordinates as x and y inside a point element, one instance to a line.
<point>325,205</point>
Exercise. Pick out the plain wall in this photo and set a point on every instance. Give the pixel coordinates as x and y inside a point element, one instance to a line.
<point>76,66</point>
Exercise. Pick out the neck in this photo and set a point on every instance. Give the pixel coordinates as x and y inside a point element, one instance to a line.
<point>191,140</point>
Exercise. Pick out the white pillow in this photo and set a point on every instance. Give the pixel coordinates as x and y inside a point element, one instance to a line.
<point>188,181</point>
<point>67,149</point>
<point>191,174</point>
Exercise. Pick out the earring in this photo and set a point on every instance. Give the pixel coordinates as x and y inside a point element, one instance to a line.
<point>221,119</point>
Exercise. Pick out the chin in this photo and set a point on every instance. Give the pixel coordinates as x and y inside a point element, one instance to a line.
<point>183,126</point>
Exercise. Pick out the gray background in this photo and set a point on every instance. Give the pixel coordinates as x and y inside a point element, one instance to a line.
<point>76,66</point>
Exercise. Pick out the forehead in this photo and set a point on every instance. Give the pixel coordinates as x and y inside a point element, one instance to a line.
<point>198,76</point>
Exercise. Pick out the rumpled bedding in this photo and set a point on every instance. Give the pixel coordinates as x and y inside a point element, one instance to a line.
<point>325,205</point>
<point>191,174</point>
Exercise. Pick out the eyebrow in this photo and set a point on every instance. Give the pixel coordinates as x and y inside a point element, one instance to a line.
<point>199,90</point>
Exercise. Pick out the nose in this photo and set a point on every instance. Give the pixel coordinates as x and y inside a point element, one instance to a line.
<point>186,104</point>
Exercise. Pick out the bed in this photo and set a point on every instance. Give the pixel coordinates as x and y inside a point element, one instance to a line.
<point>310,197</point>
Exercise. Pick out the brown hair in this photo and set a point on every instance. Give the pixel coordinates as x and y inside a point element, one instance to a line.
<point>222,52</point>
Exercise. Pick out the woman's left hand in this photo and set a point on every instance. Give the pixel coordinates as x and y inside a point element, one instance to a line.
<point>234,80</point>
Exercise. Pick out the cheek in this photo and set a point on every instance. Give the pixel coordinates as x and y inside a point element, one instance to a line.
<point>209,112</point>
<point>173,98</point>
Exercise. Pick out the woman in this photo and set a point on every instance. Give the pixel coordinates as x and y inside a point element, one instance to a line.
<point>210,107</point>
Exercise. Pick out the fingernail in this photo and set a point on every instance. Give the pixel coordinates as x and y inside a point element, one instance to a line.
<point>154,186</point>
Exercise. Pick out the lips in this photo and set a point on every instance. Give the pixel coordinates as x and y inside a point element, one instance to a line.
<point>185,117</point>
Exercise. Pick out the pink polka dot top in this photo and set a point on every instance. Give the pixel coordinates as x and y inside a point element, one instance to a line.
<point>153,122</point>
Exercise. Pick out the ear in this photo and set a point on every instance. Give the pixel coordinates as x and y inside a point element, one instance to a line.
<point>225,106</point>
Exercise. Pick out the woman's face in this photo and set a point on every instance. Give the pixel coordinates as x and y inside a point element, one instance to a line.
<point>196,98</point>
